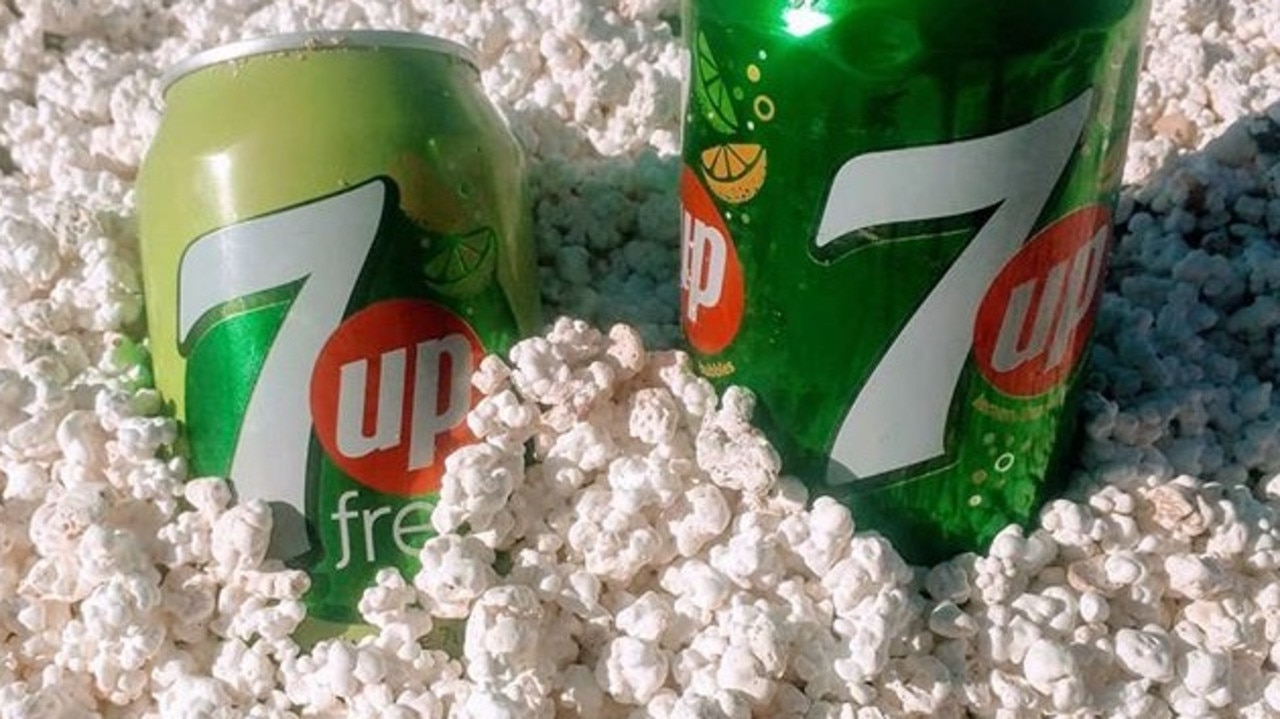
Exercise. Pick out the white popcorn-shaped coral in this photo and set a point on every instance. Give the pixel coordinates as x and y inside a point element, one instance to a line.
<point>698,516</point>
<point>502,419</point>
<point>455,571</point>
<point>820,536</point>
<point>750,556</point>
<point>57,525</point>
<point>117,634</point>
<point>391,601</point>
<point>240,537</point>
<point>612,543</point>
<point>1146,653</point>
<point>328,677</point>
<point>735,454</point>
<point>478,481</point>
<point>632,670</point>
<point>504,635</point>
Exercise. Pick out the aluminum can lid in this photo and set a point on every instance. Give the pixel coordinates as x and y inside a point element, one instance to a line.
<point>316,40</point>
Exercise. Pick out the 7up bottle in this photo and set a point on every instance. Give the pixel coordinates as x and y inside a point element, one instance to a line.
<point>896,216</point>
<point>334,233</point>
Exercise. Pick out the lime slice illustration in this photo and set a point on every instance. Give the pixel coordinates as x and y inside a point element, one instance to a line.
<point>461,265</point>
<point>712,94</point>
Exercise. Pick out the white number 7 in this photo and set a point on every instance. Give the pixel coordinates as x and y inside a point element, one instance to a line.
<point>899,418</point>
<point>324,244</point>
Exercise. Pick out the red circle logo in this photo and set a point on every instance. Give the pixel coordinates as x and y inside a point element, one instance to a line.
<point>390,394</point>
<point>1034,322</point>
<point>711,294</point>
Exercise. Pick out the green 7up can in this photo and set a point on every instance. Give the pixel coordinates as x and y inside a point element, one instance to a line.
<point>896,216</point>
<point>334,233</point>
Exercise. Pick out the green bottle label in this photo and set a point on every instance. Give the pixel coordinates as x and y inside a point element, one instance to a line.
<point>329,351</point>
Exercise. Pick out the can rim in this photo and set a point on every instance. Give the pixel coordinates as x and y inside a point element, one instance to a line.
<point>315,40</point>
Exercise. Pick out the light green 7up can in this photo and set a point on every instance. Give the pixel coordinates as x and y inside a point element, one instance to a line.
<point>335,231</point>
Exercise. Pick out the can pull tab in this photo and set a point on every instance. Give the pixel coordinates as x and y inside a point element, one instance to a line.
<point>308,257</point>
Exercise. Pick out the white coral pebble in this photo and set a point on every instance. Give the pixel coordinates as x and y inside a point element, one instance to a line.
<point>632,670</point>
<point>455,571</point>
